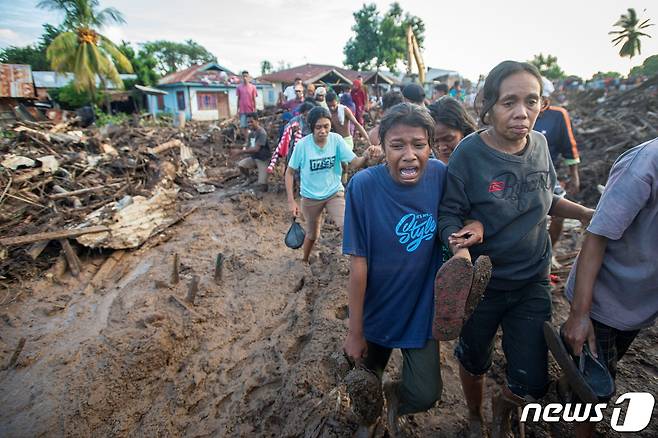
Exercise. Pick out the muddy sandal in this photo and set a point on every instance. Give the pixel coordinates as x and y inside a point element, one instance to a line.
<point>481,277</point>
<point>588,377</point>
<point>451,289</point>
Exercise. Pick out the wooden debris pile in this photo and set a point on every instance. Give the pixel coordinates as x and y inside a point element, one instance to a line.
<point>123,182</point>
<point>606,126</point>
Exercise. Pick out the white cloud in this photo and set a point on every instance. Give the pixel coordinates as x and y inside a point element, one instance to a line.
<point>472,41</point>
<point>9,38</point>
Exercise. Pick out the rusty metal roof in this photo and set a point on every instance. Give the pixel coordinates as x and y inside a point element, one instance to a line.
<point>310,73</point>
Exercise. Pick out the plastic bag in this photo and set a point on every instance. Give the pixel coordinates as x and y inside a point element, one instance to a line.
<point>295,235</point>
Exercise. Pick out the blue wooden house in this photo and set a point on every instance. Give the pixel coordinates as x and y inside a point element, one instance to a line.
<point>205,92</point>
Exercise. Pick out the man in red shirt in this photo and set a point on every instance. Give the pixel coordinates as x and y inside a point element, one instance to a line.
<point>246,101</point>
<point>360,99</point>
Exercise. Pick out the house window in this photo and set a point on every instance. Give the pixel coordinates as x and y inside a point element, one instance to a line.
<point>207,101</point>
<point>180,99</point>
<point>160,99</point>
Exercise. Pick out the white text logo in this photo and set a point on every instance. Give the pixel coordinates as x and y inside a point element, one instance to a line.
<point>638,412</point>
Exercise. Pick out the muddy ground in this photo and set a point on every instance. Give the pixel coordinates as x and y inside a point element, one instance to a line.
<point>250,356</point>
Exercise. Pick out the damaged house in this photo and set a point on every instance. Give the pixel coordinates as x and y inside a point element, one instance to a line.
<point>205,92</point>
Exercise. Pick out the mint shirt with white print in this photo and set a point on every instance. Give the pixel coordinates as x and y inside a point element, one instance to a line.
<point>319,167</point>
<point>394,226</point>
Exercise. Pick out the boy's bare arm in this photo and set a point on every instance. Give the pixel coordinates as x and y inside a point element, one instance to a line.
<point>358,125</point>
<point>571,210</point>
<point>355,345</point>
<point>578,327</point>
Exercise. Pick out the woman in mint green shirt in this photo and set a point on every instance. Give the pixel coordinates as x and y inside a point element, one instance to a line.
<point>318,157</point>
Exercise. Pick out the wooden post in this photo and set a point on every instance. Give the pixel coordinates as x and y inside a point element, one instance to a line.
<point>193,289</point>
<point>71,257</point>
<point>174,273</point>
<point>219,264</point>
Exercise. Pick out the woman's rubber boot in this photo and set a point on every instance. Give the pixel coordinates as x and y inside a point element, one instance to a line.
<point>392,405</point>
<point>502,405</point>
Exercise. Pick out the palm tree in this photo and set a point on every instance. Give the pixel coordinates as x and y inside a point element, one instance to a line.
<point>81,49</point>
<point>630,33</point>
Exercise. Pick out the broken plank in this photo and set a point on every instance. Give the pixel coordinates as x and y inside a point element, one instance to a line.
<point>160,228</point>
<point>52,235</point>
<point>37,248</point>
<point>25,176</point>
<point>104,271</point>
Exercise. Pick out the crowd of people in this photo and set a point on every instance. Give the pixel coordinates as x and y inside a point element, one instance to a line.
<point>437,193</point>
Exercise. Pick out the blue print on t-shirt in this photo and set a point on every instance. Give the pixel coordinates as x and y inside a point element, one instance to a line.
<point>414,228</point>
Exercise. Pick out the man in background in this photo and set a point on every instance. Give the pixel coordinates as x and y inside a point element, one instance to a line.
<point>440,90</point>
<point>414,93</point>
<point>247,93</point>
<point>289,92</point>
<point>257,151</point>
<point>555,124</point>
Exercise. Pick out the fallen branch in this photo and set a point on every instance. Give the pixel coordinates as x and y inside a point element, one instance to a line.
<point>165,147</point>
<point>81,191</point>
<point>51,235</point>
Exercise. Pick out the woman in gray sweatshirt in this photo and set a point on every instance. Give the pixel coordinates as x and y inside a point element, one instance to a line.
<point>503,176</point>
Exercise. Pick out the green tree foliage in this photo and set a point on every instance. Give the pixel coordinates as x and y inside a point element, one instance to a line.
<point>69,97</point>
<point>34,54</point>
<point>172,56</point>
<point>144,64</point>
<point>648,68</point>
<point>81,49</point>
<point>630,33</point>
<point>265,67</point>
<point>380,40</point>
<point>606,75</point>
<point>31,55</point>
<point>548,67</point>
<point>282,65</point>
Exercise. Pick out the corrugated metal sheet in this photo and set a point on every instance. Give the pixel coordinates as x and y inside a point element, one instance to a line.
<point>16,81</point>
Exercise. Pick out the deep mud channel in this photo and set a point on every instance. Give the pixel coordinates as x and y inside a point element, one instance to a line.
<point>250,357</point>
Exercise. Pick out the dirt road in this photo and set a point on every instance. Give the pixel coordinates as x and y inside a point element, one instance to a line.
<point>250,356</point>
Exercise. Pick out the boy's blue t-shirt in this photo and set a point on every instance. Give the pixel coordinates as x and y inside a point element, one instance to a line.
<point>394,227</point>
<point>319,168</point>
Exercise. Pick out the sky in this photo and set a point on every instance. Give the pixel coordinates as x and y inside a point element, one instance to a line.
<point>470,37</point>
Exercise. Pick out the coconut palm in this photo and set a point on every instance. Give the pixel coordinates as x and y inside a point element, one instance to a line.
<point>630,33</point>
<point>81,49</point>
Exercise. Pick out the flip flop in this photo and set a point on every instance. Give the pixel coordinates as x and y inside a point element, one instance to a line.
<point>365,391</point>
<point>587,376</point>
<point>481,277</point>
<point>451,289</point>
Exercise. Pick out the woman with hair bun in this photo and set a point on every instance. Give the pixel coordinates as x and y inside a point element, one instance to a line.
<point>503,177</point>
